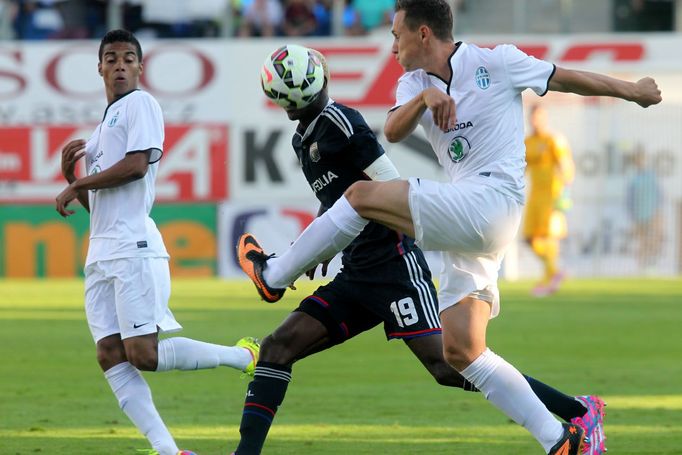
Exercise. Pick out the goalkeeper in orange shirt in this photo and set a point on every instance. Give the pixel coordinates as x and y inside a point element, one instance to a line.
<point>550,170</point>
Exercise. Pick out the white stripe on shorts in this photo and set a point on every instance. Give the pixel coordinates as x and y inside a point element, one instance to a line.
<point>429,307</point>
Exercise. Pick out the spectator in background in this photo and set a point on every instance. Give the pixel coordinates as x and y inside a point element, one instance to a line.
<point>352,22</point>
<point>261,18</point>
<point>76,18</point>
<point>299,18</point>
<point>323,17</point>
<point>644,201</point>
<point>551,170</point>
<point>37,20</point>
<point>374,13</point>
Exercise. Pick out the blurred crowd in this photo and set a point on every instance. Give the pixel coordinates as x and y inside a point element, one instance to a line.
<point>80,19</point>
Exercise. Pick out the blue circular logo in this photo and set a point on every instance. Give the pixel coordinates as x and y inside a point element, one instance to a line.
<point>482,78</point>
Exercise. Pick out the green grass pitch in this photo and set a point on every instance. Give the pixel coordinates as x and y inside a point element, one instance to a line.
<point>621,339</point>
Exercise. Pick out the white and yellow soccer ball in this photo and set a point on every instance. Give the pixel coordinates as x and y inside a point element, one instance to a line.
<point>293,76</point>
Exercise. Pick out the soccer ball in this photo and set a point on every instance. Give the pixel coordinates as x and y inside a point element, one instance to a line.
<point>292,76</point>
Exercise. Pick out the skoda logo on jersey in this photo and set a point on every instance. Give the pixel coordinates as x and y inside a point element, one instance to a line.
<point>482,78</point>
<point>458,149</point>
<point>113,120</point>
<point>314,152</point>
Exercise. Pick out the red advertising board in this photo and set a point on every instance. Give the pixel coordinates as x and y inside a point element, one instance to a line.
<point>193,168</point>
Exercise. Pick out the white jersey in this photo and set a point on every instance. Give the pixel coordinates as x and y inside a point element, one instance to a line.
<point>120,226</point>
<point>488,139</point>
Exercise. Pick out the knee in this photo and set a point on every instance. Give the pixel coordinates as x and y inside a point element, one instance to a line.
<point>456,357</point>
<point>355,195</point>
<point>110,352</point>
<point>143,358</point>
<point>275,348</point>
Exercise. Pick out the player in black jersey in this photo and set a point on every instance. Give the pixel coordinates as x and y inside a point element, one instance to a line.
<point>384,279</point>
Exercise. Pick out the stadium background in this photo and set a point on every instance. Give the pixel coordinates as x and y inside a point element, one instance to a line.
<point>613,329</point>
<point>228,162</point>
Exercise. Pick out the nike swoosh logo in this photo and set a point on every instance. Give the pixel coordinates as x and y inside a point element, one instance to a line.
<point>137,326</point>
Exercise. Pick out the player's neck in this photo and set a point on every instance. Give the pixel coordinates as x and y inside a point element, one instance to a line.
<point>441,60</point>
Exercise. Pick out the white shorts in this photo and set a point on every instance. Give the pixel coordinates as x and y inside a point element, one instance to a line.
<point>128,296</point>
<point>471,223</point>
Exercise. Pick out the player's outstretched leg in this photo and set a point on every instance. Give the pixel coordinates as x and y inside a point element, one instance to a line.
<point>571,443</point>
<point>180,353</point>
<point>253,261</point>
<point>593,424</point>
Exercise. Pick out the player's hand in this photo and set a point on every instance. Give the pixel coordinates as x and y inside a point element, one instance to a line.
<point>311,273</point>
<point>647,92</point>
<point>63,199</point>
<point>71,153</point>
<point>442,108</point>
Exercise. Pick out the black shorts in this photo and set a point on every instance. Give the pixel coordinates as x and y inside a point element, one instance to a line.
<point>398,293</point>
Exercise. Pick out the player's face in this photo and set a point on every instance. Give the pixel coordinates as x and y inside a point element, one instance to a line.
<point>538,119</point>
<point>406,43</point>
<point>120,68</point>
<point>308,113</point>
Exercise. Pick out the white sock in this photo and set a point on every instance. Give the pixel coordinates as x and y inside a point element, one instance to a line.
<point>180,353</point>
<point>135,399</point>
<point>506,388</point>
<point>328,234</point>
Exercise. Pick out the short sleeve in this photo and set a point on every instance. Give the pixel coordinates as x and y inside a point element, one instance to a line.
<point>409,86</point>
<point>365,146</point>
<point>525,71</point>
<point>145,126</point>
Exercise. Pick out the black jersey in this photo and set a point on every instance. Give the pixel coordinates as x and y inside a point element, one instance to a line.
<point>334,151</point>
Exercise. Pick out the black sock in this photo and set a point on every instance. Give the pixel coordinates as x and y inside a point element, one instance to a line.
<point>264,395</point>
<point>565,406</point>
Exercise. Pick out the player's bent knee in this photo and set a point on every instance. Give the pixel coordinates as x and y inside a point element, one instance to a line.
<point>143,361</point>
<point>356,193</point>
<point>142,357</point>
<point>276,349</point>
<point>456,357</point>
<point>110,352</point>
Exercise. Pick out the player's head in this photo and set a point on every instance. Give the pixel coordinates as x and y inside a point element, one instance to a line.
<point>319,100</point>
<point>538,118</point>
<point>315,107</point>
<point>120,63</point>
<point>418,24</point>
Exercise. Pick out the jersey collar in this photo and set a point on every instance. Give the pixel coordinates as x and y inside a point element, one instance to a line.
<point>117,100</point>
<point>452,59</point>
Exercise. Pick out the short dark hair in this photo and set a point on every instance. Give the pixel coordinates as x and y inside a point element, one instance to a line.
<point>120,36</point>
<point>435,14</point>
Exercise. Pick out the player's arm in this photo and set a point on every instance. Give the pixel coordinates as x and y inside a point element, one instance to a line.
<point>644,92</point>
<point>402,121</point>
<point>564,159</point>
<point>132,167</point>
<point>71,153</point>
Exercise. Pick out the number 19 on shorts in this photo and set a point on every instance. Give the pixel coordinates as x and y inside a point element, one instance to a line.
<point>405,312</point>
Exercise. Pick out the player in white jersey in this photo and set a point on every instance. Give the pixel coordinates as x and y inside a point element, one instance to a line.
<point>468,101</point>
<point>127,279</point>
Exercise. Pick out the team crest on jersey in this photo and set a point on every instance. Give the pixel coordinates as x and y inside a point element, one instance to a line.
<point>314,152</point>
<point>482,78</point>
<point>113,120</point>
<point>459,149</point>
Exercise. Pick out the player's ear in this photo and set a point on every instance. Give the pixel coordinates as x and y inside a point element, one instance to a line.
<point>424,31</point>
<point>99,68</point>
<point>141,67</point>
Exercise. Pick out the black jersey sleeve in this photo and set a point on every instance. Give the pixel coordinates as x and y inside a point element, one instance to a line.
<point>366,147</point>
<point>347,133</point>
